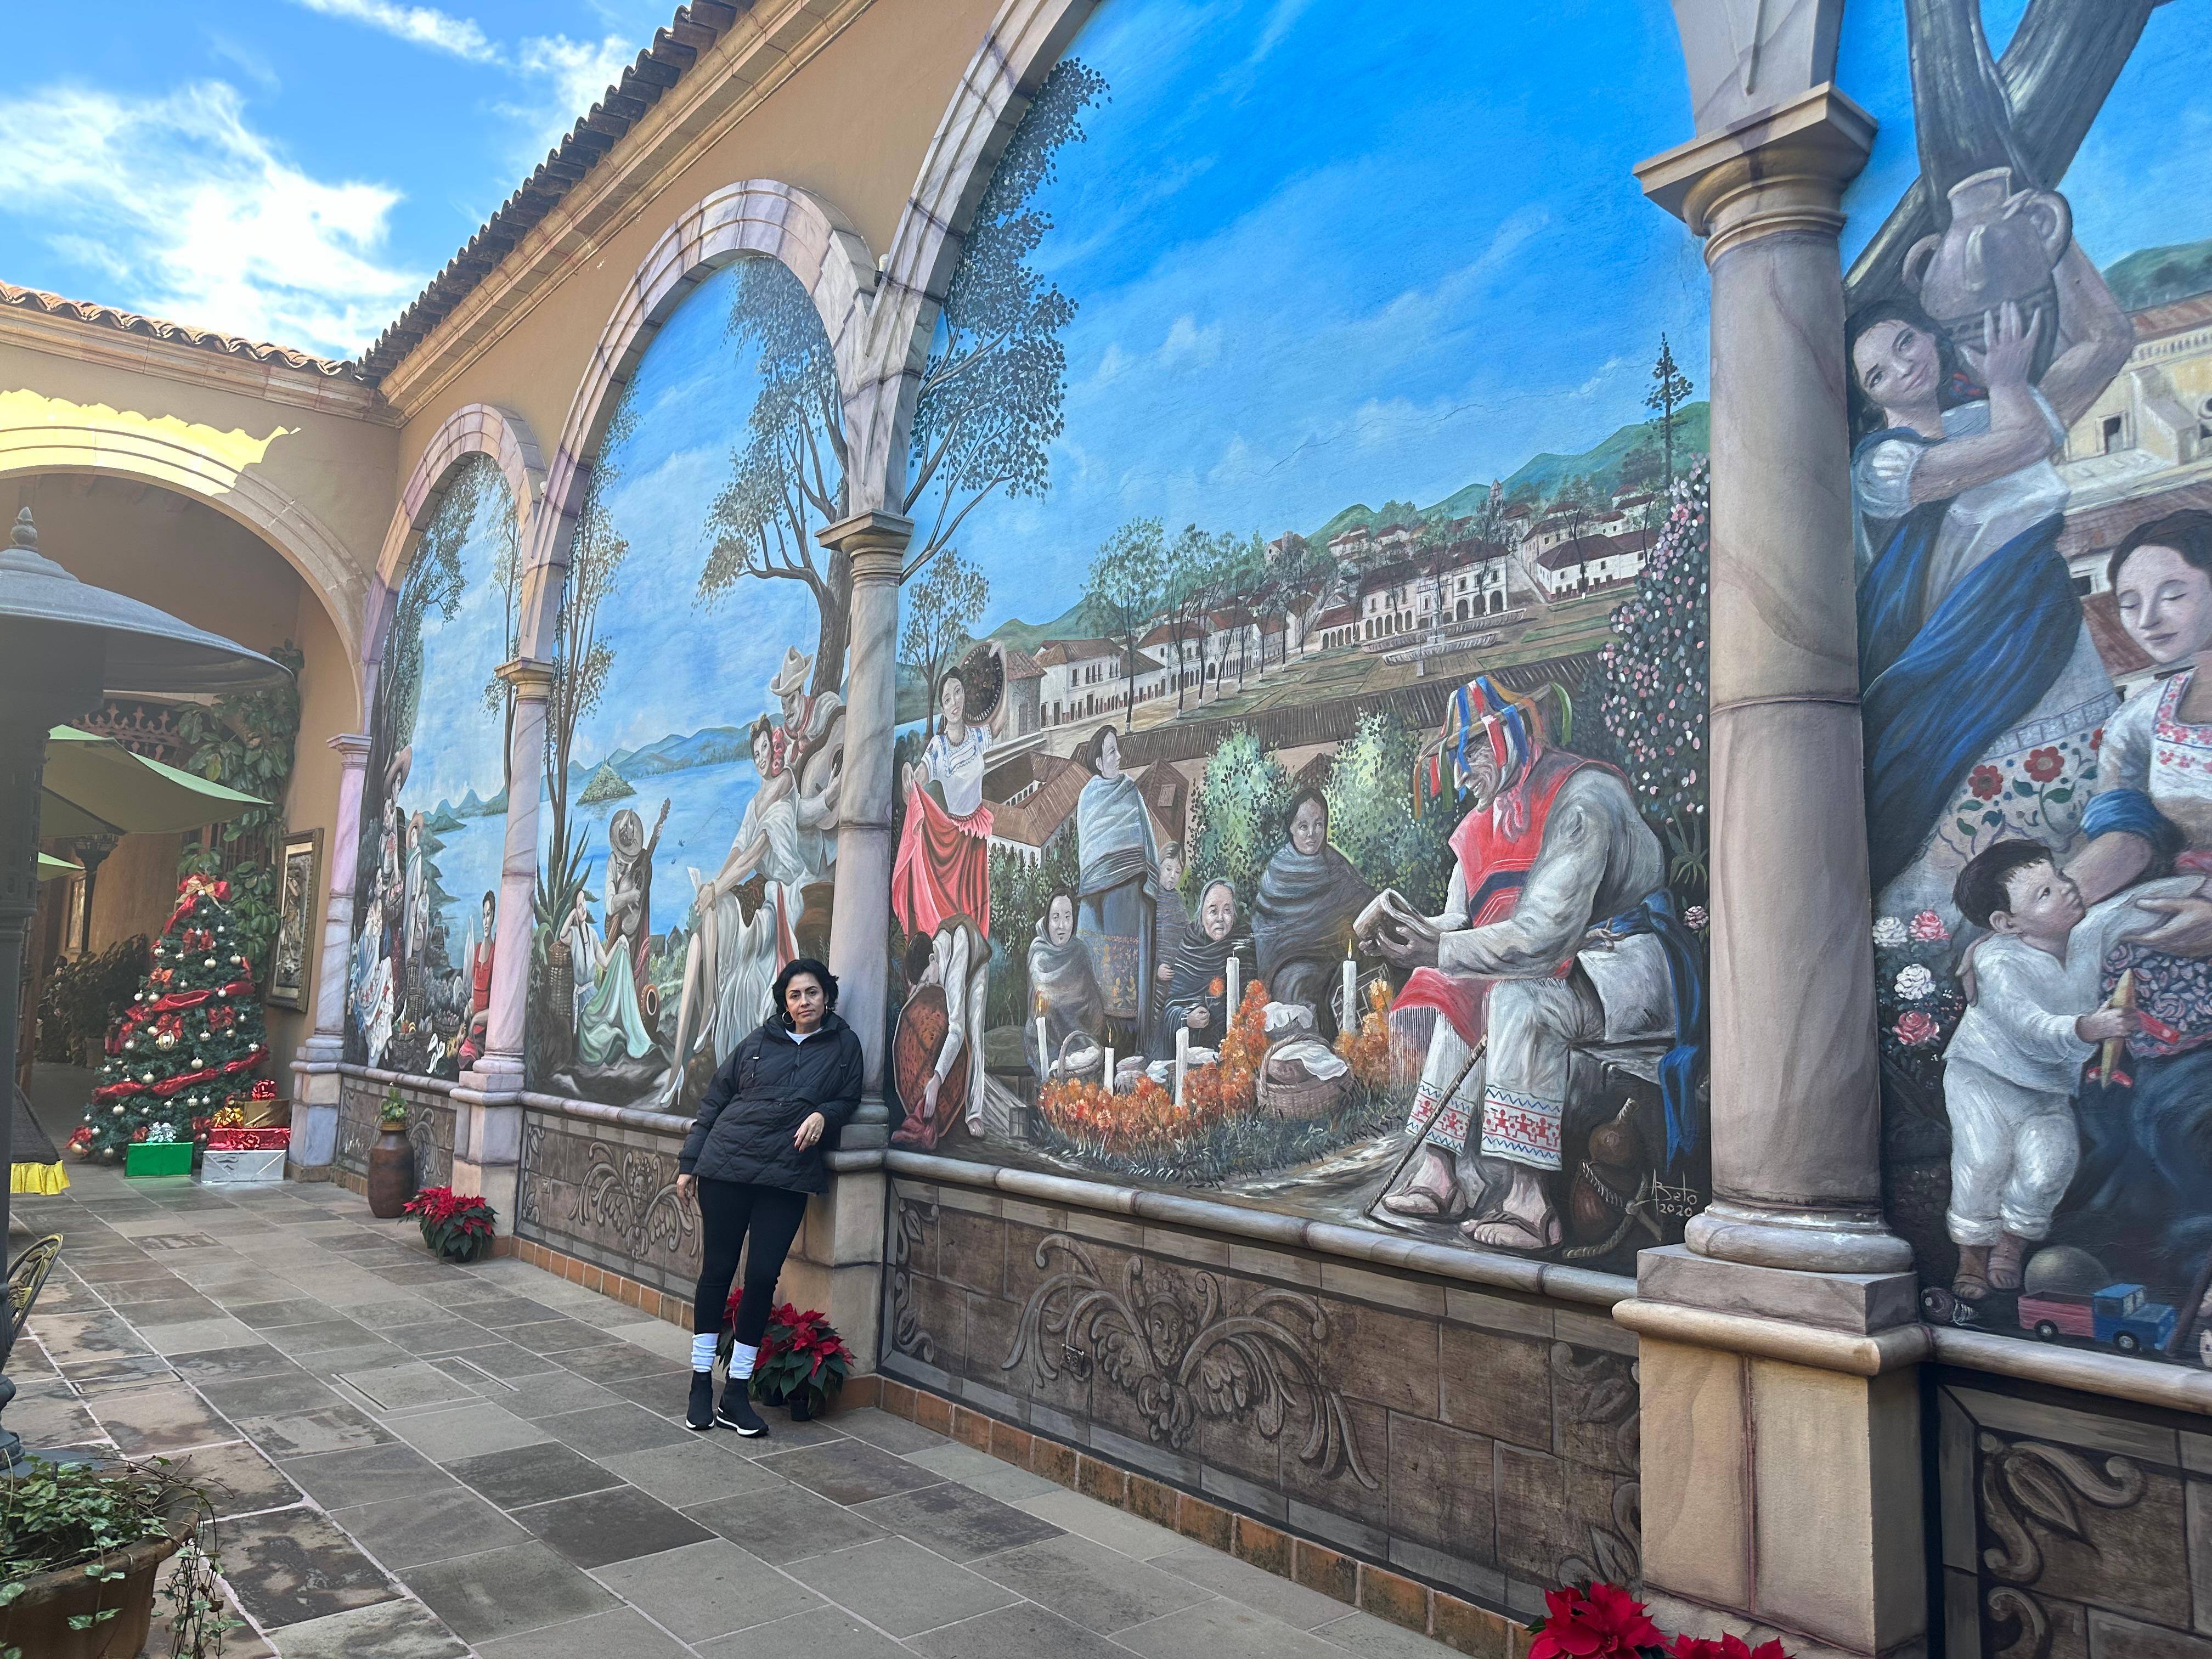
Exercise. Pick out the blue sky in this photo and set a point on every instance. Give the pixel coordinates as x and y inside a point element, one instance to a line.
<point>1332,253</point>
<point>292,170</point>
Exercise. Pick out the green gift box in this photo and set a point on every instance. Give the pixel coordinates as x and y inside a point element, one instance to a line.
<point>158,1157</point>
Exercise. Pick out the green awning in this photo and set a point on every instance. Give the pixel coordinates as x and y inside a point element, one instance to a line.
<point>95,786</point>
<point>50,868</point>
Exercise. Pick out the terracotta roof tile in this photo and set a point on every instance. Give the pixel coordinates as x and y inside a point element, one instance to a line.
<point>86,311</point>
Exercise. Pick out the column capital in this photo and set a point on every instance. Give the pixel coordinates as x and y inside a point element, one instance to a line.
<point>352,749</point>
<point>1782,169</point>
<point>871,540</point>
<point>529,676</point>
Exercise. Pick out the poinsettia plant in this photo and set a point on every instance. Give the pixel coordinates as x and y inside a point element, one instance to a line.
<point>1603,1621</point>
<point>456,1227</point>
<point>802,1358</point>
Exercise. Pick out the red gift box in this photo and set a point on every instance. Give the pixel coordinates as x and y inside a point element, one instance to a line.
<point>248,1140</point>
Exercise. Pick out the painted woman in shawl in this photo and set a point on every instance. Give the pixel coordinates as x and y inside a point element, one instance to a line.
<point>1198,993</point>
<point>1972,649</point>
<point>1309,897</point>
<point>1119,886</point>
<point>1063,989</point>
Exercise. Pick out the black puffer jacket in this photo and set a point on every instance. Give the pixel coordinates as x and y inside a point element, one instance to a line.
<point>760,1097</point>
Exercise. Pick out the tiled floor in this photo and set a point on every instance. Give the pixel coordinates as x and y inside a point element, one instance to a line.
<point>414,1460</point>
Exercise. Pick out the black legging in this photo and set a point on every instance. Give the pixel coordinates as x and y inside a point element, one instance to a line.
<point>731,1209</point>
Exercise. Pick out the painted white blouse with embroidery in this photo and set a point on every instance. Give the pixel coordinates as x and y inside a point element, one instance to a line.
<point>2147,747</point>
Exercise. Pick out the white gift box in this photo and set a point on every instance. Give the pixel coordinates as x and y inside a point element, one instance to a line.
<point>261,1167</point>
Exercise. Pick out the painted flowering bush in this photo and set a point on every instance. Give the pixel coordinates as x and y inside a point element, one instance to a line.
<point>1917,1003</point>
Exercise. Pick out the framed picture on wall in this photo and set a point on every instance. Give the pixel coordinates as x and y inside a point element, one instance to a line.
<point>295,919</point>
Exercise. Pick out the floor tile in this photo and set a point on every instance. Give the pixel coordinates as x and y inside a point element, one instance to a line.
<point>1023,1631</point>
<point>523,1587</point>
<point>1223,1630</point>
<point>896,1434</point>
<point>195,1335</point>
<point>320,1335</point>
<point>699,1472</point>
<point>666,1392</point>
<point>707,1590</point>
<point>72,1337</point>
<point>553,1335</point>
<point>958,1521</point>
<point>609,1431</point>
<point>851,1471</point>
<point>1099,1589</point>
<point>606,1362</point>
<point>171,1308</point>
<point>535,1396</point>
<point>97,1377</point>
<point>266,1315</point>
<point>500,1309</point>
<point>614,1525</point>
<point>1102,1522</point>
<point>50,1422</point>
<point>405,1386</point>
<point>293,1564</point>
<point>290,1389</point>
<point>622,1634</point>
<point>670,1342</point>
<point>831,1633</point>
<point>438,1336</point>
<point>239,1480</point>
<point>900,1586</point>
<point>533,1474</point>
<point>248,1360</point>
<point>1377,1639</point>
<point>1242,1582</point>
<point>165,1418</point>
<point>784,1523</point>
<point>1008,1484</point>
<point>303,1434</point>
<point>465,1431</point>
<point>340,1480</point>
<point>438,1525</point>
<point>390,1629</point>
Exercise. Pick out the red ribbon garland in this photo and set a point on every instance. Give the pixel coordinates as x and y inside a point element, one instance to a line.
<point>139,1013</point>
<point>177,1085</point>
<point>189,897</point>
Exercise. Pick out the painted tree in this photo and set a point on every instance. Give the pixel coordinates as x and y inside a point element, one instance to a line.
<point>788,478</point>
<point>1670,390</point>
<point>1655,673</point>
<point>1242,808</point>
<point>989,404</point>
<point>1186,594</point>
<point>941,609</point>
<point>1370,814</point>
<point>190,1037</point>
<point>1122,589</point>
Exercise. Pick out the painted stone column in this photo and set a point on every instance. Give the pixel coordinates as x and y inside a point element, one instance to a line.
<point>1781,1465</point>
<point>488,1105</point>
<point>315,1068</point>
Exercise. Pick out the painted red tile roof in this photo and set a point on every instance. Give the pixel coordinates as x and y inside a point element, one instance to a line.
<point>1057,652</point>
<point>160,328</point>
<point>1020,665</point>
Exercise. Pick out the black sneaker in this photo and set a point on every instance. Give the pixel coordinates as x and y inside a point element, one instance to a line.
<point>736,1411</point>
<point>701,1412</point>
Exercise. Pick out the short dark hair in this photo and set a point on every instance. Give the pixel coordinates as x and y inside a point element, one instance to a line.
<point>2188,532</point>
<point>1095,745</point>
<point>915,962</point>
<point>1980,890</point>
<point>492,899</point>
<point>792,971</point>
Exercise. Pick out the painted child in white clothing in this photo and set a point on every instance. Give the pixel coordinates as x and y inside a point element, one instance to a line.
<point>2014,1064</point>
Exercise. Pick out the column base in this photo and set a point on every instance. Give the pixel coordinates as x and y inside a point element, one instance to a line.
<point>1674,1613</point>
<point>1814,1240</point>
<point>315,1085</point>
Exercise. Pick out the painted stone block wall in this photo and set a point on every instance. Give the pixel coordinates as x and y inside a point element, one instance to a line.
<point>1482,1441</point>
<point>429,1125</point>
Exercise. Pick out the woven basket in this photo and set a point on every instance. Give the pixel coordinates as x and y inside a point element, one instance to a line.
<point>1316,1098</point>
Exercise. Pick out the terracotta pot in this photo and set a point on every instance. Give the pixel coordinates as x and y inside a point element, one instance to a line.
<point>38,1620</point>
<point>2002,246</point>
<point>391,1175</point>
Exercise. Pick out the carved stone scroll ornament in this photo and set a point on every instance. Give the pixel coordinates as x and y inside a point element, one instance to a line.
<point>907,1336</point>
<point>1169,1342</point>
<point>529,1186</point>
<point>1601,1392</point>
<point>636,1200</point>
<point>2026,1486</point>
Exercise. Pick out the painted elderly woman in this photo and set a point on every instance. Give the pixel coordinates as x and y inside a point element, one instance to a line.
<point>1119,883</point>
<point>1309,897</point>
<point>1063,990</point>
<point>1198,992</point>
<point>1975,664</point>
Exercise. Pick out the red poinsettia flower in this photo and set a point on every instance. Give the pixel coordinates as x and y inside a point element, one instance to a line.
<point>1984,781</point>
<point>1604,1622</point>
<point>1724,1646</point>
<point>2043,764</point>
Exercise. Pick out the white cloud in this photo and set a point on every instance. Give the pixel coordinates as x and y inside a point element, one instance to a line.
<point>199,218</point>
<point>421,26</point>
<point>568,76</point>
<point>1190,344</point>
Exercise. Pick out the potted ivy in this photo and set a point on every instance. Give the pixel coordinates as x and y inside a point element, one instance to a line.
<point>455,1227</point>
<point>81,1545</point>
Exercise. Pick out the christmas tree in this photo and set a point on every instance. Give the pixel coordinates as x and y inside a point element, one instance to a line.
<point>1654,699</point>
<point>190,1038</point>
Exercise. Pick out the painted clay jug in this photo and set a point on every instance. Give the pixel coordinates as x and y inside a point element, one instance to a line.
<point>2001,245</point>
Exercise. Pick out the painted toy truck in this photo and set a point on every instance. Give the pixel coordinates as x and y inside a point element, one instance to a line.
<point>2118,1314</point>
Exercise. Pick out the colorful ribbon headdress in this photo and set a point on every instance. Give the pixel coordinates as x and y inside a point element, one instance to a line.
<point>1483,711</point>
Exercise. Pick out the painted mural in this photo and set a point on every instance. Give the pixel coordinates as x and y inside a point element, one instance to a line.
<point>1301,780</point>
<point>695,731</point>
<point>2029,295</point>
<point>433,804</point>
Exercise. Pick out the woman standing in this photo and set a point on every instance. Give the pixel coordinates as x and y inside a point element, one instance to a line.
<point>1119,884</point>
<point>943,864</point>
<point>753,1156</point>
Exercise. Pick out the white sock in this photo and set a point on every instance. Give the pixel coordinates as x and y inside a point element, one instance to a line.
<point>741,1360</point>
<point>702,1351</point>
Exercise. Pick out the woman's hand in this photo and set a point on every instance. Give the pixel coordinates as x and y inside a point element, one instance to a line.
<point>808,1132</point>
<point>2009,348</point>
<point>687,1188</point>
<point>1200,1019</point>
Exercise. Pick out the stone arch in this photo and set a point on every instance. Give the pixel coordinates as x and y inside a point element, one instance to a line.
<point>473,430</point>
<point>1026,40</point>
<point>759,216</point>
<point>216,468</point>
